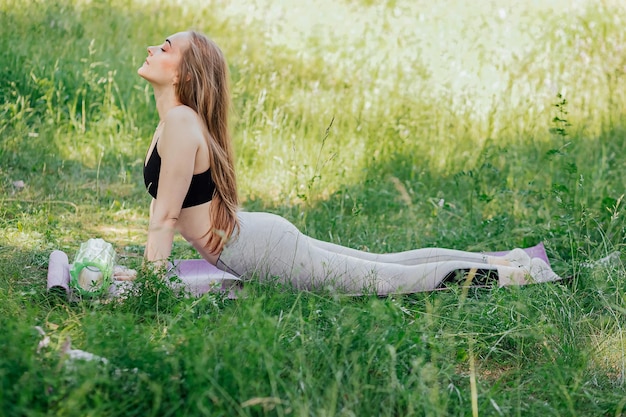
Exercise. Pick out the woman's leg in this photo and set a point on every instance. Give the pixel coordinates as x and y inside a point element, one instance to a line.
<point>270,246</point>
<point>411,257</point>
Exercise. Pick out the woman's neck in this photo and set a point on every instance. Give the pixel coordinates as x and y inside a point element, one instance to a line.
<point>165,100</point>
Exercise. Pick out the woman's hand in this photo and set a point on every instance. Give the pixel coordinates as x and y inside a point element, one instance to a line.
<point>122,273</point>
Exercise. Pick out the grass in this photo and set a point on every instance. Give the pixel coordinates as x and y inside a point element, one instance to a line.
<point>383,126</point>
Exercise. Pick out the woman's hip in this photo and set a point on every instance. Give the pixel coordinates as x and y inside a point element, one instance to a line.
<point>260,239</point>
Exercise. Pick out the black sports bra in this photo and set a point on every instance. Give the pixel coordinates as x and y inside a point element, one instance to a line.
<point>200,191</point>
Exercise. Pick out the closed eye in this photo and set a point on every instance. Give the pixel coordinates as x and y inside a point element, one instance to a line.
<point>169,43</point>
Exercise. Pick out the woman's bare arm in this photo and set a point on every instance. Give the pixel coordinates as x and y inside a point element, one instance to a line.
<point>177,146</point>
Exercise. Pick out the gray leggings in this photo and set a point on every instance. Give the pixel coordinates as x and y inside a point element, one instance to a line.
<point>269,246</point>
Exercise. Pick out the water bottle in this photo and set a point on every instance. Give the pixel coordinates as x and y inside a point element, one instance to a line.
<point>92,271</point>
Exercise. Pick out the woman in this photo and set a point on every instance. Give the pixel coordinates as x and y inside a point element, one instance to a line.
<point>189,171</point>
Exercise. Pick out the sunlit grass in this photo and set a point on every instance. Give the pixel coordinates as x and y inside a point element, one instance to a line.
<point>379,125</point>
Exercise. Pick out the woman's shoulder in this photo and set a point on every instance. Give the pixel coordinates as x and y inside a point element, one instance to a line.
<point>182,125</point>
<point>182,113</point>
<point>183,121</point>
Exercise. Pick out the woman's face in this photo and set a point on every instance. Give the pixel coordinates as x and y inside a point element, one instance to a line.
<point>161,65</point>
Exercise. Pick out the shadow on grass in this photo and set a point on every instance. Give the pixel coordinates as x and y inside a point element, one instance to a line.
<point>318,352</point>
<point>490,204</point>
<point>401,202</point>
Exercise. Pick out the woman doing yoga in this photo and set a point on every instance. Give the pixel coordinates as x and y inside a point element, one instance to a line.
<point>189,171</point>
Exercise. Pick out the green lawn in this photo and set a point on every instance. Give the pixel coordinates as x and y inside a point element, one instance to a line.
<point>380,125</point>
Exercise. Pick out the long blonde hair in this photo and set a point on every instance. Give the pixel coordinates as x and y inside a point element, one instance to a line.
<point>203,86</point>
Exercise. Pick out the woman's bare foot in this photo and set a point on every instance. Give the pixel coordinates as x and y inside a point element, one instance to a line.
<point>540,271</point>
<point>516,257</point>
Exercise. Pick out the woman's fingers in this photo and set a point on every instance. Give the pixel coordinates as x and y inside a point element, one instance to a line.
<point>122,273</point>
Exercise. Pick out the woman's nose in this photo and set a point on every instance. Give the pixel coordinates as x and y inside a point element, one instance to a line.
<point>150,50</point>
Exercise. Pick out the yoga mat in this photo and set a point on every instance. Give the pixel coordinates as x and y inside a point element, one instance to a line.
<point>59,272</point>
<point>197,276</point>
